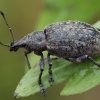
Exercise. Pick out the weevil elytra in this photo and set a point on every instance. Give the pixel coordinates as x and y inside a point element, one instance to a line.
<point>74,41</point>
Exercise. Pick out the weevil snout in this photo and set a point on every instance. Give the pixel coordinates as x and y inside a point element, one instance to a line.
<point>13,47</point>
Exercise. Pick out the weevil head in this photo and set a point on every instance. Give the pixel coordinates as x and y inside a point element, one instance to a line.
<point>35,41</point>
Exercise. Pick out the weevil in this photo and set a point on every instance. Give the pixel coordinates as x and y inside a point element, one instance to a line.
<point>74,41</point>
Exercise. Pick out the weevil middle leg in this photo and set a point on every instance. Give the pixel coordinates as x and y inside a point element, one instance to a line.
<point>51,80</point>
<point>41,63</point>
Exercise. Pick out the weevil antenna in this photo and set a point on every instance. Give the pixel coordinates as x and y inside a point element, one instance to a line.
<point>7,45</point>
<point>7,25</point>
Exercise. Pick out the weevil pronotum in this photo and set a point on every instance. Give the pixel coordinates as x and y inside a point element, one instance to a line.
<point>74,41</point>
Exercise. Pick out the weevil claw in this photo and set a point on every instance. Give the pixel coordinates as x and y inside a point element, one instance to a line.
<point>51,80</point>
<point>43,89</point>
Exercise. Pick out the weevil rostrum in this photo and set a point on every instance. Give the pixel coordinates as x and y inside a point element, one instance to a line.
<point>74,41</point>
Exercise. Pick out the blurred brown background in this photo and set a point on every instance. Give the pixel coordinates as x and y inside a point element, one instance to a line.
<point>24,16</point>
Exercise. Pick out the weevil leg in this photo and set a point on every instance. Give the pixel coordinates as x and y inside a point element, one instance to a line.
<point>25,53</point>
<point>81,58</point>
<point>71,60</point>
<point>41,63</point>
<point>96,63</point>
<point>51,80</point>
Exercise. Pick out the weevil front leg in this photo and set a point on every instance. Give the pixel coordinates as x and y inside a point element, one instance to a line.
<point>40,75</point>
<point>51,80</point>
<point>81,58</point>
<point>25,53</point>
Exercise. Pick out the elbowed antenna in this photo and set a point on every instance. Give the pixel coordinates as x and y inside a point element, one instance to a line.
<point>7,25</point>
<point>7,45</point>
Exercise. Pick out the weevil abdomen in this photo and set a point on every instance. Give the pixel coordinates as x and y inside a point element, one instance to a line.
<point>72,39</point>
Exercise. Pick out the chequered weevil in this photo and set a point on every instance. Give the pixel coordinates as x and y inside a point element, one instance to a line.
<point>74,41</point>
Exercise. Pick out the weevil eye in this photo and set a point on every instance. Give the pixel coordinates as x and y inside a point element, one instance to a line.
<point>12,44</point>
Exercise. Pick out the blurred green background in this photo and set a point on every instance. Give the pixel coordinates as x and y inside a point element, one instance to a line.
<point>24,16</point>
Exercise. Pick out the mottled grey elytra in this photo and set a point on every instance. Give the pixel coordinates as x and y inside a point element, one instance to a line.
<point>74,41</point>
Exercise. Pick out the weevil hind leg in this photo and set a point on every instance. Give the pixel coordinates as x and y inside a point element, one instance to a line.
<point>49,60</point>
<point>81,58</point>
<point>41,63</point>
<point>96,63</point>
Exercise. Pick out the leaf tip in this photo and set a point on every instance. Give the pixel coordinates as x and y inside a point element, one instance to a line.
<point>15,95</point>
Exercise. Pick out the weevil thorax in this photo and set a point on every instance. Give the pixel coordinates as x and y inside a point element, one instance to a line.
<point>34,41</point>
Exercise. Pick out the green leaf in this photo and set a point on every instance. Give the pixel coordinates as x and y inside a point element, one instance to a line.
<point>83,75</point>
<point>85,78</point>
<point>29,83</point>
